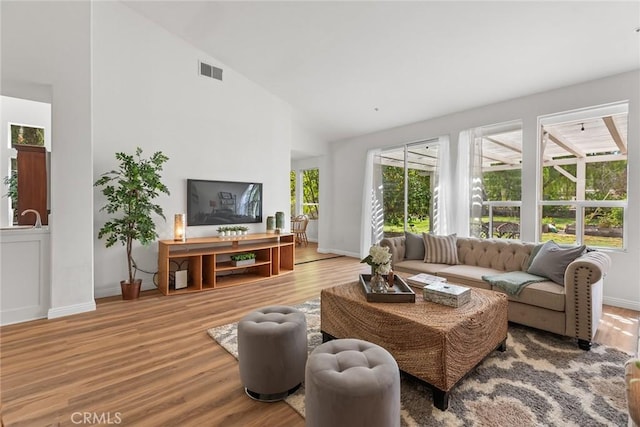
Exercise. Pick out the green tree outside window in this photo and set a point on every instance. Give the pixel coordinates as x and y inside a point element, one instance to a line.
<point>25,135</point>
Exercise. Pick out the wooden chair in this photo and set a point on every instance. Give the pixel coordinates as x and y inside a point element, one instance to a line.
<point>299,228</point>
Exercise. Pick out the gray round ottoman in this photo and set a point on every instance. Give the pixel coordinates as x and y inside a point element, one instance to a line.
<point>272,352</point>
<point>351,382</point>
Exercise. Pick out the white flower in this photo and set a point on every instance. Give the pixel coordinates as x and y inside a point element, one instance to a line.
<point>384,268</point>
<point>380,255</point>
<point>379,259</point>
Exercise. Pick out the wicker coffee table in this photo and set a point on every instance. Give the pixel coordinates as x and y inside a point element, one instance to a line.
<point>435,343</point>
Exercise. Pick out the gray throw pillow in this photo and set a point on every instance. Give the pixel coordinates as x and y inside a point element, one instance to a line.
<point>552,261</point>
<point>534,252</point>
<point>413,246</point>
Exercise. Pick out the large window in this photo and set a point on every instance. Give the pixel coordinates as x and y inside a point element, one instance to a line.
<point>496,180</point>
<point>408,187</point>
<point>583,176</point>
<point>310,192</point>
<point>305,193</point>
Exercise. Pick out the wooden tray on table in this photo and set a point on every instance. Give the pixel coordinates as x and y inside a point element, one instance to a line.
<point>401,291</point>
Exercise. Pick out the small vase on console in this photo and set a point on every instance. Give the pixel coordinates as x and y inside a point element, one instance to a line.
<point>280,220</point>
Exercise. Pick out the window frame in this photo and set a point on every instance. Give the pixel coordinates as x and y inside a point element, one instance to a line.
<point>482,133</point>
<point>405,148</point>
<point>302,199</point>
<point>575,116</point>
<point>298,193</point>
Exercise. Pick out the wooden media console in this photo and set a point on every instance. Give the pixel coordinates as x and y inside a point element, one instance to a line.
<point>208,264</point>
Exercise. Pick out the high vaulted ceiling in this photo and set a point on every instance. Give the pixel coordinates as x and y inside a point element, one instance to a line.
<point>351,68</point>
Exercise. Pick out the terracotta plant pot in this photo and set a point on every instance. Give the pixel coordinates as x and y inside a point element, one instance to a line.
<point>131,291</point>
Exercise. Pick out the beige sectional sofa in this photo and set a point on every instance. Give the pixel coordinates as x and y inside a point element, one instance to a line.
<point>572,310</point>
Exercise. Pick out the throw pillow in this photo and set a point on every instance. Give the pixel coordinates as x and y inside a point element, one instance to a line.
<point>413,246</point>
<point>534,252</point>
<point>440,249</point>
<point>552,261</point>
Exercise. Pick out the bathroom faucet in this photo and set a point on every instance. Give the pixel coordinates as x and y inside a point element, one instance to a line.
<point>38,220</point>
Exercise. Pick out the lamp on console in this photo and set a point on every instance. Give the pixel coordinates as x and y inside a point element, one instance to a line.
<point>180,228</point>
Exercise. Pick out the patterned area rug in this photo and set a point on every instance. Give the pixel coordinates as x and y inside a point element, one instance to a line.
<point>541,380</point>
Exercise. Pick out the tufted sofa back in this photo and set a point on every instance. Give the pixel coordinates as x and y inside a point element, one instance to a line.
<point>506,255</point>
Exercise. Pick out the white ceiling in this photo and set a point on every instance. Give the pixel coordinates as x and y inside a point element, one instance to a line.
<point>351,68</point>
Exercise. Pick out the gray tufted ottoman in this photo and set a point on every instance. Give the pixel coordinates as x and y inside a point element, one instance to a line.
<point>272,352</point>
<point>351,382</point>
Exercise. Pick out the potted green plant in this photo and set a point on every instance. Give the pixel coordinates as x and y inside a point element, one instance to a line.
<point>11,182</point>
<point>246,258</point>
<point>130,191</point>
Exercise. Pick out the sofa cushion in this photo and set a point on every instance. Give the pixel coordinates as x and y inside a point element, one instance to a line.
<point>551,261</point>
<point>513,282</point>
<point>440,249</point>
<point>413,246</point>
<point>468,275</point>
<point>418,266</point>
<point>547,295</point>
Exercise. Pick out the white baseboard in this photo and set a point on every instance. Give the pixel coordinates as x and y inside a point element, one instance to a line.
<point>68,310</point>
<point>20,315</point>
<point>622,303</point>
<point>338,252</point>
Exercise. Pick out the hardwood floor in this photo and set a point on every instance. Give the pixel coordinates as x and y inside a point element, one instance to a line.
<point>150,362</point>
<point>309,253</point>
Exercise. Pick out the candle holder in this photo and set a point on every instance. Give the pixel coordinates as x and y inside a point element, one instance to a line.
<point>180,227</point>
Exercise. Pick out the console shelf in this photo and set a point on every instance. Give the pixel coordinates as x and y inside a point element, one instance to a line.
<point>208,264</point>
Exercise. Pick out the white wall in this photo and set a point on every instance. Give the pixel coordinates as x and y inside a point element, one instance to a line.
<point>309,151</point>
<point>47,45</point>
<point>304,142</point>
<point>20,112</point>
<point>347,157</point>
<point>148,93</point>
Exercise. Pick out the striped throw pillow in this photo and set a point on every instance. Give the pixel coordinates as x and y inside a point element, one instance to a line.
<point>440,249</point>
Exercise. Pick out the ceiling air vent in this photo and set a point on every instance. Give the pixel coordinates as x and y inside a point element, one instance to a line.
<point>210,71</point>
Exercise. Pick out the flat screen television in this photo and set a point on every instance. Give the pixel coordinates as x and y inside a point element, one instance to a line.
<point>223,202</point>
